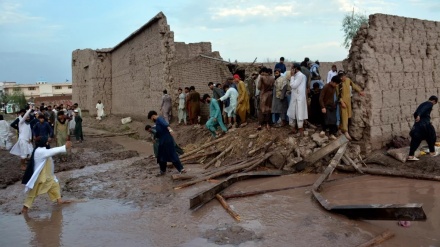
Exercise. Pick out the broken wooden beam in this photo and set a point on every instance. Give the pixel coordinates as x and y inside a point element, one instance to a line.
<point>410,211</point>
<point>227,207</point>
<point>259,192</point>
<point>321,153</point>
<point>203,197</point>
<point>259,162</point>
<point>199,155</point>
<point>210,163</point>
<point>331,167</point>
<point>348,161</point>
<point>391,173</point>
<point>202,147</point>
<point>182,176</point>
<point>378,239</point>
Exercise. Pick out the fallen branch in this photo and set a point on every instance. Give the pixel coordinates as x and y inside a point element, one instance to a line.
<point>199,155</point>
<point>227,207</point>
<point>265,147</point>
<point>378,239</point>
<point>202,147</point>
<point>391,173</point>
<point>218,157</point>
<point>333,163</point>
<point>240,162</point>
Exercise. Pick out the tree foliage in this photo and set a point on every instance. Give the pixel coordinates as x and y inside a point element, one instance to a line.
<point>16,97</point>
<point>350,25</point>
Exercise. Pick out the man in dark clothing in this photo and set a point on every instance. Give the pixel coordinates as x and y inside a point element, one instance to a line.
<point>281,66</point>
<point>52,116</point>
<point>42,129</point>
<point>305,63</point>
<point>423,129</point>
<point>328,101</point>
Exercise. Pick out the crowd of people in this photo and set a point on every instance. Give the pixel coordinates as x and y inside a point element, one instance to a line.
<point>298,96</point>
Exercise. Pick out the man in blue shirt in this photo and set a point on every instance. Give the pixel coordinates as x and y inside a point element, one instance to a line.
<point>42,129</point>
<point>281,66</point>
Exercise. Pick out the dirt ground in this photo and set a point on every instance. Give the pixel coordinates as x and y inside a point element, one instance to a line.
<point>120,168</point>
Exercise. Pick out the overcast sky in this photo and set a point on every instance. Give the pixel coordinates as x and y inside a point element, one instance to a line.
<point>37,37</point>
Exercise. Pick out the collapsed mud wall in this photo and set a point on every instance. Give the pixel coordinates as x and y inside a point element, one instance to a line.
<point>130,77</point>
<point>92,78</point>
<point>396,61</point>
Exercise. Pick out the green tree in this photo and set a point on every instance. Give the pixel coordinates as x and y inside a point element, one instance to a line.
<point>16,97</point>
<point>350,25</point>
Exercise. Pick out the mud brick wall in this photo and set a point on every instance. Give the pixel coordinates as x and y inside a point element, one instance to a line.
<point>92,74</point>
<point>397,62</point>
<point>185,51</point>
<point>140,72</point>
<point>198,72</point>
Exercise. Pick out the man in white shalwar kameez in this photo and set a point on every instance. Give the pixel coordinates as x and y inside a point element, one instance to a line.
<point>23,148</point>
<point>232,95</point>
<point>100,110</point>
<point>5,134</point>
<point>297,111</point>
<point>39,177</point>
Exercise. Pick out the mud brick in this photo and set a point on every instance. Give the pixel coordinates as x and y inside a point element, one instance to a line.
<point>391,98</point>
<point>387,132</point>
<point>385,80</point>
<point>376,100</point>
<point>407,97</point>
<point>396,130</point>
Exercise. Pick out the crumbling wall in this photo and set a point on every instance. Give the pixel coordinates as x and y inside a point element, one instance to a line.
<point>396,61</point>
<point>197,72</point>
<point>92,78</point>
<point>185,51</point>
<point>140,69</point>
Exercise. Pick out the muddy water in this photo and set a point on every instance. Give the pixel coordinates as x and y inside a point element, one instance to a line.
<point>372,189</point>
<point>287,218</point>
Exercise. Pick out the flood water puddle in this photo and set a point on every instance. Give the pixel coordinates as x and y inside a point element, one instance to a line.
<point>285,218</point>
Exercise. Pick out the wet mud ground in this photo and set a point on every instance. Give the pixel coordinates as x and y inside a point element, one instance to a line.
<point>123,203</point>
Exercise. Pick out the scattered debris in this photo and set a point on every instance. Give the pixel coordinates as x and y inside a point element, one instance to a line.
<point>227,207</point>
<point>126,120</point>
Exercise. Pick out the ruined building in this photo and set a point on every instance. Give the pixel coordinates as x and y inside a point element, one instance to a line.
<point>130,77</point>
<point>397,62</point>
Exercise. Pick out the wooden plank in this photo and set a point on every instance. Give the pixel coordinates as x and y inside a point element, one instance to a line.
<point>205,196</point>
<point>227,207</point>
<point>199,155</point>
<point>391,173</point>
<point>210,163</point>
<point>410,211</point>
<point>321,153</point>
<point>331,167</point>
<point>348,161</point>
<point>182,176</point>
<point>378,239</point>
<point>202,147</point>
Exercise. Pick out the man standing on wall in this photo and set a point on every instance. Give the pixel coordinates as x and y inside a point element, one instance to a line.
<point>345,99</point>
<point>331,73</point>
<point>297,111</point>
<point>243,100</point>
<point>423,129</point>
<point>281,66</point>
<point>166,106</point>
